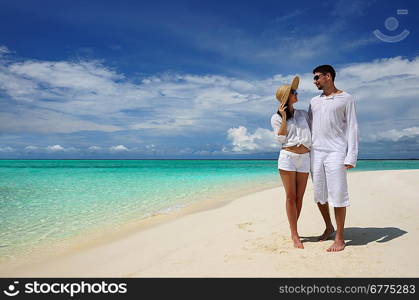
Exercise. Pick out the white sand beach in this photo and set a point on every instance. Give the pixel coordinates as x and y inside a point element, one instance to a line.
<point>249,237</point>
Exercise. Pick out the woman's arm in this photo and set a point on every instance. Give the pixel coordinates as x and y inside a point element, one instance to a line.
<point>279,126</point>
<point>283,129</point>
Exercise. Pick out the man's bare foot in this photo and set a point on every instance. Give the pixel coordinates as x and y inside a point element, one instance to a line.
<point>326,234</point>
<point>338,245</point>
<point>297,242</point>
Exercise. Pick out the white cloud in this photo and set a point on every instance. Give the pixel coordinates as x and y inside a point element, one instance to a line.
<point>118,148</point>
<point>30,148</point>
<point>395,135</point>
<point>244,141</point>
<point>6,149</point>
<point>94,148</point>
<point>60,149</point>
<point>87,86</point>
<point>29,120</point>
<point>65,97</point>
<point>55,148</point>
<point>167,124</point>
<point>69,97</point>
<point>4,50</point>
<point>383,78</point>
<point>386,91</point>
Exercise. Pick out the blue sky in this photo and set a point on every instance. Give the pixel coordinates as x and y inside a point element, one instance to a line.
<point>196,79</point>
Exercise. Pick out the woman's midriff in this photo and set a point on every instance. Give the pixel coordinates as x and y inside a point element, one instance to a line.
<point>297,149</point>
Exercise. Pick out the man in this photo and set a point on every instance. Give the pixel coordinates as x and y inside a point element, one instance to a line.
<point>334,130</point>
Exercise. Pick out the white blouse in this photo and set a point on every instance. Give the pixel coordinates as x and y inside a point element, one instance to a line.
<point>298,129</point>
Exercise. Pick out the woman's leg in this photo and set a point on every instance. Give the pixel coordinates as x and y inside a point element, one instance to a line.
<point>289,181</point>
<point>300,189</point>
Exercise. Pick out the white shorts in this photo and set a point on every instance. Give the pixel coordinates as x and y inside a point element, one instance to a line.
<point>290,161</point>
<point>328,173</point>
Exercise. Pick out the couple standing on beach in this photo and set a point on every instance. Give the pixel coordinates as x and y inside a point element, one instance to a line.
<point>323,140</point>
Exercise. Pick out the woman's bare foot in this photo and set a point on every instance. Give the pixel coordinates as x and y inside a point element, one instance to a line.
<point>326,234</point>
<point>297,242</point>
<point>338,245</point>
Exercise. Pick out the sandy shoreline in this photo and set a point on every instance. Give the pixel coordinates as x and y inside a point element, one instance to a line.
<point>249,237</point>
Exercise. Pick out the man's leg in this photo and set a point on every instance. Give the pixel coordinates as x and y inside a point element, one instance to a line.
<point>339,244</point>
<point>318,177</point>
<point>338,195</point>
<point>324,210</point>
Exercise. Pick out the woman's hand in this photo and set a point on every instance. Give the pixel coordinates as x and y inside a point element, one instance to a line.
<point>281,110</point>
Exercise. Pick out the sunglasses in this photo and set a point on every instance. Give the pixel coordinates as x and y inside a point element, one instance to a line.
<point>293,92</point>
<point>315,78</point>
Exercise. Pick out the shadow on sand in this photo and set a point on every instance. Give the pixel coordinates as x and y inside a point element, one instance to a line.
<point>357,236</point>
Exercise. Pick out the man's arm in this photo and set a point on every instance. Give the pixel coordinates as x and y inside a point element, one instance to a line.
<point>351,134</point>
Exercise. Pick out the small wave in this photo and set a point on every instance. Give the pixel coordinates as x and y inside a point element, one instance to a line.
<point>168,210</point>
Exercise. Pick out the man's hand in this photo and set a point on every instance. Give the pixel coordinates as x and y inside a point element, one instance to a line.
<point>349,166</point>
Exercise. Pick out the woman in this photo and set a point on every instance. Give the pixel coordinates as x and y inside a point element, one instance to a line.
<point>292,130</point>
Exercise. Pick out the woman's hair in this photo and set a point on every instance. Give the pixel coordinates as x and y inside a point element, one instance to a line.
<point>287,111</point>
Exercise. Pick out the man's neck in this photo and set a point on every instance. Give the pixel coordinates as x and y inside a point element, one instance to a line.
<point>327,91</point>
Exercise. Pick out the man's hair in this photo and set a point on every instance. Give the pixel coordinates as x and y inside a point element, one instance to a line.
<point>326,69</point>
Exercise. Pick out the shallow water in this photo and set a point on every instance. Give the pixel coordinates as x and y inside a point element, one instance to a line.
<point>48,201</point>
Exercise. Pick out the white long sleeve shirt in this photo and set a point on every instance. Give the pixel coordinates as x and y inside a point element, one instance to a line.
<point>334,127</point>
<point>298,130</point>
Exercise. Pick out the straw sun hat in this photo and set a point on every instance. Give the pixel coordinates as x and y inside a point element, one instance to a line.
<point>283,92</point>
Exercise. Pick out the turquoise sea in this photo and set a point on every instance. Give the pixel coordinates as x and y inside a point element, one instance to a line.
<point>43,202</point>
